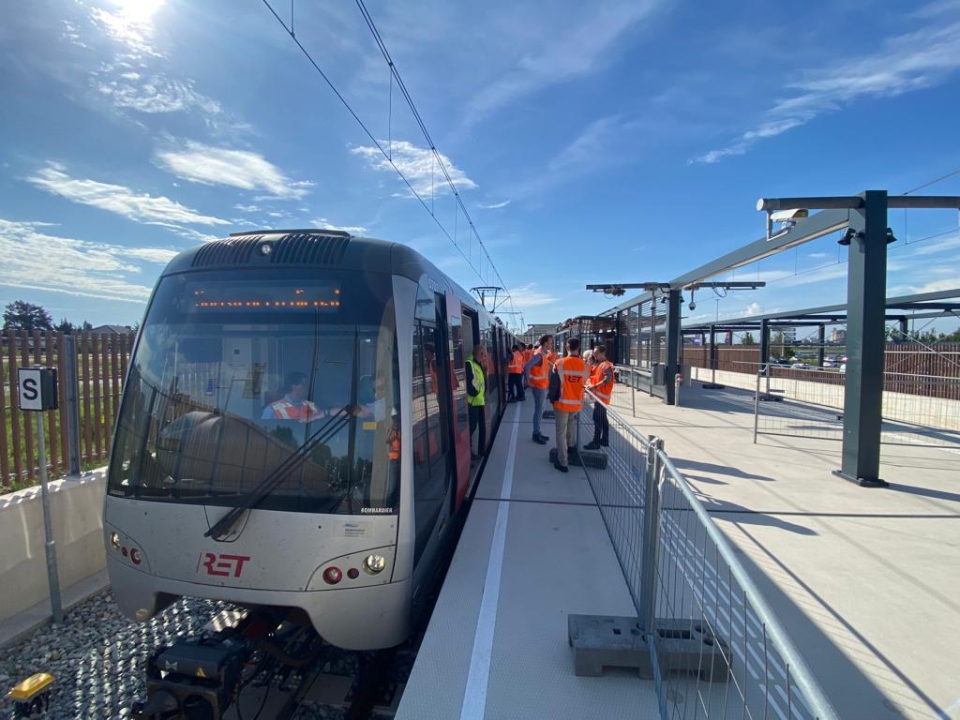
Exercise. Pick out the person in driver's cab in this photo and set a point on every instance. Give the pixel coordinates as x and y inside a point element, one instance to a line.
<point>294,404</point>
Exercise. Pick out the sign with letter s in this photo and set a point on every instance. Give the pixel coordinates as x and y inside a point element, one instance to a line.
<point>38,388</point>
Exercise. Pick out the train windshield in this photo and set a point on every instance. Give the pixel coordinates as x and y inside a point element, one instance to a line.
<point>283,387</point>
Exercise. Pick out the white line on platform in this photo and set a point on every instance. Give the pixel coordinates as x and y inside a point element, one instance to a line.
<point>475,696</point>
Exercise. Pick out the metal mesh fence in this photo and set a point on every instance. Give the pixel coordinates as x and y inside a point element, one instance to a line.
<point>716,649</point>
<point>921,396</point>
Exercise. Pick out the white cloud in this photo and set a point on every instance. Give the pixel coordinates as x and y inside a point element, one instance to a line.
<point>248,208</point>
<point>752,309</point>
<point>154,94</point>
<point>550,56</point>
<point>907,62</point>
<point>160,256</point>
<point>527,296</point>
<point>818,255</point>
<point>37,260</point>
<point>140,207</point>
<point>418,165</point>
<point>494,206</point>
<point>324,224</point>
<point>243,169</point>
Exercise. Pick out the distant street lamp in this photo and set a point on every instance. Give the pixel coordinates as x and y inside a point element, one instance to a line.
<point>717,300</point>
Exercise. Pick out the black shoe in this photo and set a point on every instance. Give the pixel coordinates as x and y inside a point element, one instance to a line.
<point>540,439</point>
<point>604,443</point>
<point>561,468</point>
<point>595,445</point>
<point>545,438</point>
<point>571,449</point>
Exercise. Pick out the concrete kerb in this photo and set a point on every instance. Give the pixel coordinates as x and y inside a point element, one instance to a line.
<point>77,515</point>
<point>19,627</point>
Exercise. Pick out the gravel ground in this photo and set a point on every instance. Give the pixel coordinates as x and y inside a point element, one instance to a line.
<point>97,656</point>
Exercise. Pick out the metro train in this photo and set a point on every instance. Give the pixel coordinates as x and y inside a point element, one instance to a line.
<point>333,508</point>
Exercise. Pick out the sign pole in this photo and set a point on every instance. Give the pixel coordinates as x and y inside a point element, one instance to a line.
<point>52,575</point>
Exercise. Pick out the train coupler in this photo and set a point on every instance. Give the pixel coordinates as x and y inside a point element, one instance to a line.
<point>195,678</point>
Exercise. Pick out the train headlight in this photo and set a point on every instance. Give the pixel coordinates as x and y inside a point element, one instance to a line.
<point>374,564</point>
<point>114,541</point>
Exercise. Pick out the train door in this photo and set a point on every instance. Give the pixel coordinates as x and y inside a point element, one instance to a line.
<point>432,465</point>
<point>492,400</point>
<point>460,425</point>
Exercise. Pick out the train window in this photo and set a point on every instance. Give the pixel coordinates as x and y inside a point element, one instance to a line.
<point>492,400</point>
<point>221,400</point>
<point>460,378</point>
<point>430,472</point>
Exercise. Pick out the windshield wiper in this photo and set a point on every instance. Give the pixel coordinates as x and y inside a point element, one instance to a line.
<point>266,486</point>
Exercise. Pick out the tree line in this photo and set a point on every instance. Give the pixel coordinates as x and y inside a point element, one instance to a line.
<point>22,315</point>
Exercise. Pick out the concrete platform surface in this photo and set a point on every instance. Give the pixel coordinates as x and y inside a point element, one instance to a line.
<point>533,551</point>
<point>865,580</point>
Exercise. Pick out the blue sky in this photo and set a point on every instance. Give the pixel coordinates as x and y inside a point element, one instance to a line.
<point>611,141</point>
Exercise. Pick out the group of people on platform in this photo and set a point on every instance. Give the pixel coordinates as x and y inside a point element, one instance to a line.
<point>572,375</point>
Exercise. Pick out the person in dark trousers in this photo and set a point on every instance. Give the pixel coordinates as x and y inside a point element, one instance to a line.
<point>476,397</point>
<point>601,385</point>
<point>515,371</point>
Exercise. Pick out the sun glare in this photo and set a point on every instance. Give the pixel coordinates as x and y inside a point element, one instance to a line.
<point>138,9</point>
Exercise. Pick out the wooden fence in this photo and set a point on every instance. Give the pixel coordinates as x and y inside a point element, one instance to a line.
<point>101,364</point>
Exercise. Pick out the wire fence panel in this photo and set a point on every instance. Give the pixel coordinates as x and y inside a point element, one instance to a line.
<point>717,650</point>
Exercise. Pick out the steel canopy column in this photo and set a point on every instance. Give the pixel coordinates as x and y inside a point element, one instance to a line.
<point>764,343</point>
<point>673,344</point>
<point>654,352</point>
<point>821,339</point>
<point>866,300</point>
<point>616,340</point>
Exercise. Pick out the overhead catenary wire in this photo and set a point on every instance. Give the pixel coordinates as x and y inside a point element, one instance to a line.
<point>395,76</point>
<point>387,152</point>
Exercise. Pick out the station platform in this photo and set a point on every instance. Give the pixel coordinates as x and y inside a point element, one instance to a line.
<point>866,581</point>
<point>533,551</point>
<point>863,580</point>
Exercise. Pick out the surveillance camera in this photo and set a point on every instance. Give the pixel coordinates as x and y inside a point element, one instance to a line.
<point>789,216</point>
<point>693,305</point>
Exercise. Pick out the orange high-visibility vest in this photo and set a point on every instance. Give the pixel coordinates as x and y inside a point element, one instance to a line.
<point>527,354</point>
<point>540,373</point>
<point>283,409</point>
<point>516,363</point>
<point>393,442</point>
<point>601,389</point>
<point>573,379</point>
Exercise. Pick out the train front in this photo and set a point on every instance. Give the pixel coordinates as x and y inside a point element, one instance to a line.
<point>257,453</point>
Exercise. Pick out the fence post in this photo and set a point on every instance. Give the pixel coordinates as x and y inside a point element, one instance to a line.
<point>756,407</point>
<point>71,409</point>
<point>634,389</point>
<point>651,538</point>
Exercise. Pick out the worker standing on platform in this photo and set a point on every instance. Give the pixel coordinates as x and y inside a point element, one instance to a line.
<point>515,370</point>
<point>476,397</point>
<point>537,372</point>
<point>527,354</point>
<point>601,384</point>
<point>572,372</point>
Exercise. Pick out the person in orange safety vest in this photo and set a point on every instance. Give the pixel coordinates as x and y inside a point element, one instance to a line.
<point>573,379</point>
<point>537,372</point>
<point>294,404</point>
<point>515,371</point>
<point>601,385</point>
